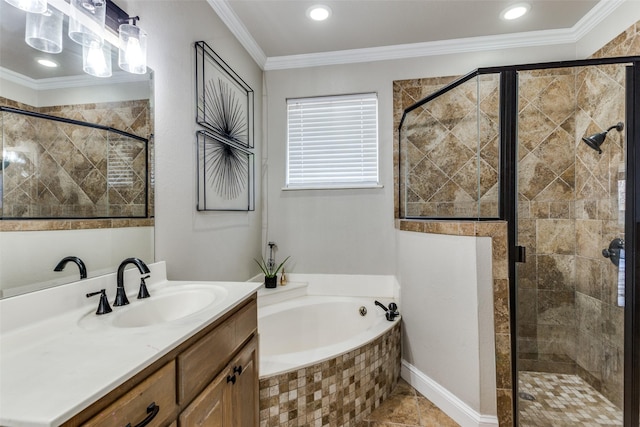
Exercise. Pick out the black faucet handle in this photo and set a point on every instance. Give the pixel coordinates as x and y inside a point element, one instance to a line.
<point>103,305</point>
<point>143,292</point>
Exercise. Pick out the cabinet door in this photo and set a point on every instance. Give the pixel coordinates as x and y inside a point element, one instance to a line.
<point>244,393</point>
<point>231,399</point>
<point>208,409</point>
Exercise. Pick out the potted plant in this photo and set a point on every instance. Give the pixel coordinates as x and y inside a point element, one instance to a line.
<point>270,273</point>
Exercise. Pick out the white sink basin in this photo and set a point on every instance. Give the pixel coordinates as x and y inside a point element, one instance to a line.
<point>164,305</point>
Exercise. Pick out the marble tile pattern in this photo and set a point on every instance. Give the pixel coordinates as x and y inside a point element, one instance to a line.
<point>405,407</point>
<point>568,212</point>
<point>337,392</point>
<point>562,400</point>
<point>65,170</point>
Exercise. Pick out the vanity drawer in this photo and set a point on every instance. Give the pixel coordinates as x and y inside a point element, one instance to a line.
<point>201,362</point>
<point>134,406</point>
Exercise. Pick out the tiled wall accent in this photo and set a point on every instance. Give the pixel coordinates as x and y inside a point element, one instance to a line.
<point>67,171</point>
<point>337,392</point>
<point>450,150</point>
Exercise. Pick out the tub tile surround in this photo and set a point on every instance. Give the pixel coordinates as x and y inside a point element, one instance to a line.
<point>574,199</point>
<point>343,390</point>
<point>338,392</point>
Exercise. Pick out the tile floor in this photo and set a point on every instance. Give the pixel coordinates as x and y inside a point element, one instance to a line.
<point>563,401</point>
<point>405,407</point>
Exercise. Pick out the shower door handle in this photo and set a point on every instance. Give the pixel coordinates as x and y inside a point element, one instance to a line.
<point>521,254</point>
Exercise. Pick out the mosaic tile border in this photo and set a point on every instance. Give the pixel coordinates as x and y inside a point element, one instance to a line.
<point>338,392</point>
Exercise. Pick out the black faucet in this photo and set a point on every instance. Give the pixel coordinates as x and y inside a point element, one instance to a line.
<point>121,296</point>
<point>391,312</point>
<point>77,261</point>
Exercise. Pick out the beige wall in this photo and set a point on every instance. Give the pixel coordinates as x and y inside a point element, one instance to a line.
<point>195,245</point>
<point>455,295</point>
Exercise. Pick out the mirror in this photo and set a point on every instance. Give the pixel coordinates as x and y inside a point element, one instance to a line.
<point>31,248</point>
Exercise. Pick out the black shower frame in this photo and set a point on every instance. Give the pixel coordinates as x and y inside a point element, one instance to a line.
<point>93,126</point>
<point>508,208</point>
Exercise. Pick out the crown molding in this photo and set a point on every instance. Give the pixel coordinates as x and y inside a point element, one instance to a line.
<point>414,50</point>
<point>595,16</point>
<point>72,81</point>
<point>231,20</point>
<point>417,50</point>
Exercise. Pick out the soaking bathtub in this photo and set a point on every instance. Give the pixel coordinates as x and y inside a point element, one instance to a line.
<point>322,361</point>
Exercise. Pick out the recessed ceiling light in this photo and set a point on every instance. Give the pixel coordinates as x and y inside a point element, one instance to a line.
<point>515,11</point>
<point>319,12</point>
<point>47,63</point>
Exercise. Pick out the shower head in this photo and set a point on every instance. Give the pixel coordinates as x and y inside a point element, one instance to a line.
<point>595,141</point>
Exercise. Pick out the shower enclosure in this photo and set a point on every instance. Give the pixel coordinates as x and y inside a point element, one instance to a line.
<point>553,150</point>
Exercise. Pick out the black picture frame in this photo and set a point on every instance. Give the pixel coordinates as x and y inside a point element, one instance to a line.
<point>226,174</point>
<point>225,102</point>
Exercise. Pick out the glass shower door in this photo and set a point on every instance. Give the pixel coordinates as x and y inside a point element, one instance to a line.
<point>570,322</point>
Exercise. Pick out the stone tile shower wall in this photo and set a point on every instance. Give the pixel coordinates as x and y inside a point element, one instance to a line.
<point>450,151</point>
<point>73,171</point>
<point>576,283</point>
<point>546,220</point>
<point>568,212</point>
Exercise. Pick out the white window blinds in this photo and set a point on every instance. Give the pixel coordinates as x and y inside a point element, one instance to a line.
<point>332,141</point>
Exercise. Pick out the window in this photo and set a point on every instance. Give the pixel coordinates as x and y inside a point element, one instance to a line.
<point>332,141</point>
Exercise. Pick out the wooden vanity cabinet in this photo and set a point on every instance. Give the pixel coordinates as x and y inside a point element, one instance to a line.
<point>209,380</point>
<point>231,399</point>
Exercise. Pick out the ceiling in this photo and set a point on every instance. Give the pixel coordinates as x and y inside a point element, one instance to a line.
<point>277,32</point>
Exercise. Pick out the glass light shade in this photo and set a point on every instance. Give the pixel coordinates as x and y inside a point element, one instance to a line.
<point>33,6</point>
<point>132,55</point>
<point>44,30</point>
<point>96,60</point>
<point>86,21</point>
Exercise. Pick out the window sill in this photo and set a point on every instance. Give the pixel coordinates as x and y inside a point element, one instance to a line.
<point>334,187</point>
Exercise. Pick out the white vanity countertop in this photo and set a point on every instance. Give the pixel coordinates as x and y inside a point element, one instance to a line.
<point>57,357</point>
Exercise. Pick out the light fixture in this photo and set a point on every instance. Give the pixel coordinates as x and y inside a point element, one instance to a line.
<point>33,6</point>
<point>86,21</point>
<point>132,54</point>
<point>44,30</point>
<point>515,11</point>
<point>47,63</point>
<point>319,12</point>
<point>96,60</point>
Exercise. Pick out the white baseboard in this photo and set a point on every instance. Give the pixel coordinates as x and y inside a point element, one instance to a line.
<point>459,411</point>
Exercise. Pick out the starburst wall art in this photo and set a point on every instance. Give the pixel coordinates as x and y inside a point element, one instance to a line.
<point>225,157</point>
